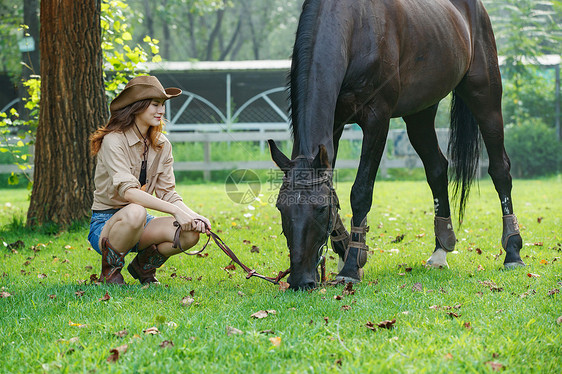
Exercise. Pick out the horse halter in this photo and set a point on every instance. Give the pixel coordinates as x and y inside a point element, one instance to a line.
<point>333,204</point>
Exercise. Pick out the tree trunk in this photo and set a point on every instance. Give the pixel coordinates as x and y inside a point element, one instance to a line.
<point>72,106</point>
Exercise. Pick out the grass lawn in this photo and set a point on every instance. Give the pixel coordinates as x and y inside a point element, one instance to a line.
<point>473,317</point>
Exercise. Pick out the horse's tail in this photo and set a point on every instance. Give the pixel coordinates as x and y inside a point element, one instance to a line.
<point>464,150</point>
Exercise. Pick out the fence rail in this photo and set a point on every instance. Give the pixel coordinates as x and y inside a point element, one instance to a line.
<point>398,153</point>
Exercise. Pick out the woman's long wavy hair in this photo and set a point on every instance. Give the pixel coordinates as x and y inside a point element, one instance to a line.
<point>122,120</point>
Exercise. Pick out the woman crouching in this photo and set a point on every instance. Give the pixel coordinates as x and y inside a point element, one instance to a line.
<point>134,172</point>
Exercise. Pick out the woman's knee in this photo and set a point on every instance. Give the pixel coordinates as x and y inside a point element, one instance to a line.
<point>134,215</point>
<point>189,239</point>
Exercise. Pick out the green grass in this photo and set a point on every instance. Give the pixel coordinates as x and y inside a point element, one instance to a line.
<point>515,327</point>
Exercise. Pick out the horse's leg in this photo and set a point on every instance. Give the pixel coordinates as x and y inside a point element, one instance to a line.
<point>339,236</point>
<point>481,90</point>
<point>421,131</point>
<point>375,132</point>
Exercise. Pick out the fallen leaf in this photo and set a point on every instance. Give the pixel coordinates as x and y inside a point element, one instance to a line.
<point>283,286</point>
<point>553,291</point>
<point>559,320</point>
<point>41,276</point>
<point>79,293</point>
<point>121,333</point>
<point>495,366</point>
<point>275,341</point>
<point>453,314</point>
<point>151,331</point>
<point>478,250</point>
<point>398,239</point>
<point>230,267</point>
<point>348,289</point>
<point>115,352</point>
<point>4,294</point>
<point>271,311</point>
<point>187,301</point>
<point>259,315</point>
<point>267,332</point>
<point>448,356</point>
<point>386,324</point>
<point>480,268</point>
<point>233,331</point>
<point>52,297</point>
<point>467,325</point>
<point>539,219</point>
<point>240,293</point>
<point>533,275</point>
<point>255,249</point>
<point>538,244</point>
<point>544,262</point>
<point>166,344</point>
<point>417,287</point>
<point>105,297</point>
<point>338,362</point>
<point>326,320</point>
<point>192,293</point>
<point>346,307</point>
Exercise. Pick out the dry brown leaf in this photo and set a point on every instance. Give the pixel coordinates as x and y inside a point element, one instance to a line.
<point>467,325</point>
<point>448,356</point>
<point>267,332</point>
<point>166,344</point>
<point>275,341</point>
<point>338,297</point>
<point>495,366</point>
<point>151,331</point>
<point>417,287</point>
<point>533,275</point>
<point>346,307</point>
<point>386,324</point>
<point>115,352</point>
<point>553,292</point>
<point>348,289</point>
<point>79,293</point>
<point>255,249</point>
<point>259,315</point>
<point>283,286</point>
<point>105,297</point>
<point>233,331</point>
<point>187,301</point>
<point>230,267</point>
<point>121,333</point>
<point>4,294</point>
<point>559,320</point>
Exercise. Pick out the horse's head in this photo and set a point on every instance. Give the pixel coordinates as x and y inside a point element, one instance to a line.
<point>308,205</point>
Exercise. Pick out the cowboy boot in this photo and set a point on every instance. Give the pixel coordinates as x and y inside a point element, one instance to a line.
<point>355,255</point>
<point>111,264</point>
<point>144,265</point>
<point>340,240</point>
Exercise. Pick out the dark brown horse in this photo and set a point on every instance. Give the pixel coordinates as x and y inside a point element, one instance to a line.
<point>365,62</point>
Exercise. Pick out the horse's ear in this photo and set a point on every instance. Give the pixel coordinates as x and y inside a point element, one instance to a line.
<point>282,161</point>
<point>321,160</point>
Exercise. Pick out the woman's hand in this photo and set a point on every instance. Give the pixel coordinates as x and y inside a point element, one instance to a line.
<point>206,223</point>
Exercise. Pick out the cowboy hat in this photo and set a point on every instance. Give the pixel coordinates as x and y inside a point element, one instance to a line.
<point>141,88</point>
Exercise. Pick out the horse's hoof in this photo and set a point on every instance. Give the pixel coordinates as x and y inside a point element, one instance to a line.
<point>438,259</point>
<point>349,278</point>
<point>513,265</point>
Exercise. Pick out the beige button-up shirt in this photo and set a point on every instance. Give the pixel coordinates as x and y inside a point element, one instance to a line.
<point>118,169</point>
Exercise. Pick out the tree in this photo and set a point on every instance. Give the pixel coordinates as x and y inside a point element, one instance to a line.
<point>72,106</point>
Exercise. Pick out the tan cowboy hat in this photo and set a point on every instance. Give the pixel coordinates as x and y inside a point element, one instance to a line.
<point>141,88</point>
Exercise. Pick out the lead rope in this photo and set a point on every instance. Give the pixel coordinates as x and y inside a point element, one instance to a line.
<point>222,245</point>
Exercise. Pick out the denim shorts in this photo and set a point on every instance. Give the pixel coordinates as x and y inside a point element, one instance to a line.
<point>98,222</point>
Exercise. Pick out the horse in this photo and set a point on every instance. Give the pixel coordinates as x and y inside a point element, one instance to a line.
<point>365,62</point>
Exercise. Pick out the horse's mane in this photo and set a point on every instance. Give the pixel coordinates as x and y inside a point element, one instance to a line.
<point>301,62</point>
